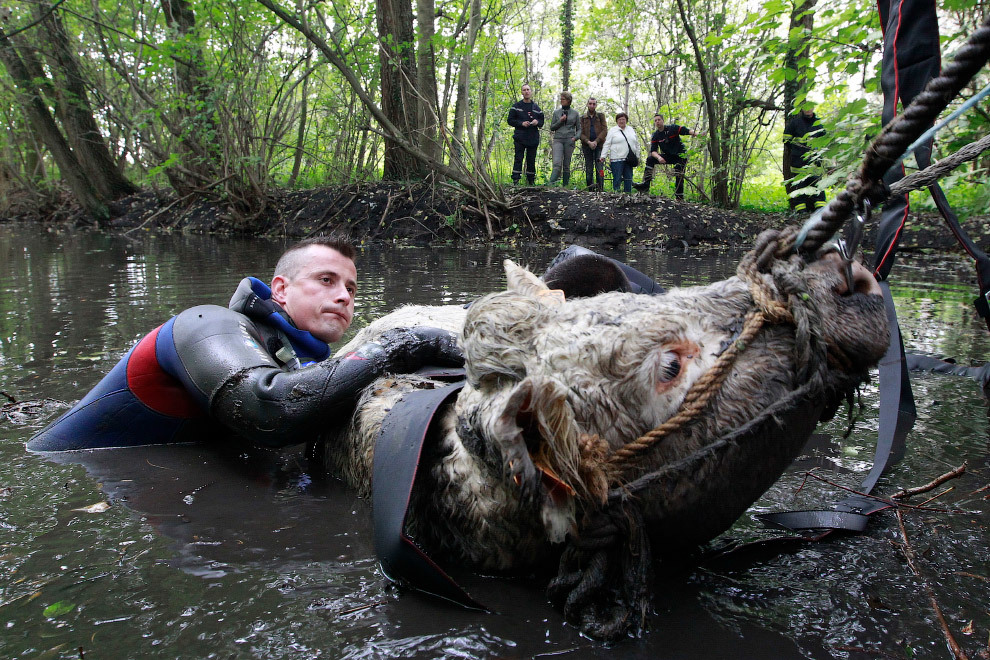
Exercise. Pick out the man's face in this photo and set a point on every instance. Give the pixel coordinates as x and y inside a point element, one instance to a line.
<point>320,297</point>
<point>592,106</point>
<point>808,112</point>
<point>526,92</point>
<point>658,122</point>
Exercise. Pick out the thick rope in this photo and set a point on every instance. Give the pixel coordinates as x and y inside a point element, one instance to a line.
<point>604,574</point>
<point>898,135</point>
<point>770,306</point>
<point>697,397</point>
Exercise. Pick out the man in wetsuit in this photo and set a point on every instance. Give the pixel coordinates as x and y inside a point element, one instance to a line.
<point>666,148</point>
<point>801,128</point>
<point>258,369</point>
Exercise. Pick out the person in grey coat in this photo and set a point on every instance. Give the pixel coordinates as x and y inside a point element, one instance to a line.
<point>566,125</point>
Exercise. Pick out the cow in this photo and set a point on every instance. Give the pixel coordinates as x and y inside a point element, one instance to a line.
<point>556,385</point>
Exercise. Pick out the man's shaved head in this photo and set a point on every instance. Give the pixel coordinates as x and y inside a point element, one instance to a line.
<point>292,259</point>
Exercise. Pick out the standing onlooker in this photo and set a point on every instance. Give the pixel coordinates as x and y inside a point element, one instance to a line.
<point>619,142</point>
<point>527,118</point>
<point>800,128</point>
<point>593,130</point>
<point>666,148</point>
<point>564,124</point>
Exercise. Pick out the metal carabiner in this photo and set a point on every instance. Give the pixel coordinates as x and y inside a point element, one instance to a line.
<point>849,243</point>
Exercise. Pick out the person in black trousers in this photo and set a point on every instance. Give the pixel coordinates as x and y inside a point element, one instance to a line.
<point>526,117</point>
<point>801,128</point>
<point>666,148</point>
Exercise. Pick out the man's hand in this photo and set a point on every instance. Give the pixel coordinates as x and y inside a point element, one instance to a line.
<point>408,349</point>
<point>593,143</point>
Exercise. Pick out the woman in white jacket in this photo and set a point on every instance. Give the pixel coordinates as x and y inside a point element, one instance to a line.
<point>618,143</point>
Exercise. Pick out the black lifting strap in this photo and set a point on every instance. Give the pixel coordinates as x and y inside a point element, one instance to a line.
<point>911,58</point>
<point>397,453</point>
<point>897,414</point>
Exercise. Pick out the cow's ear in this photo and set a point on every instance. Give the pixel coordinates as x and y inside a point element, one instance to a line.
<point>523,282</point>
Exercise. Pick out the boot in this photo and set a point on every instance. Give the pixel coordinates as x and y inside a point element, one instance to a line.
<point>647,178</point>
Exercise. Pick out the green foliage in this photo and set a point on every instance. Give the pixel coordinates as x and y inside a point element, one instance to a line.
<point>243,115</point>
<point>59,608</point>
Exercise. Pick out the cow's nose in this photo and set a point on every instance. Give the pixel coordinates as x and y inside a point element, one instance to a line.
<point>863,280</point>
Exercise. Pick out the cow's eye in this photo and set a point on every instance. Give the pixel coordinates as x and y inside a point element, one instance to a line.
<point>670,367</point>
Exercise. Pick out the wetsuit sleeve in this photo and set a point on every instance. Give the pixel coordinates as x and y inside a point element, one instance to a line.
<point>249,393</point>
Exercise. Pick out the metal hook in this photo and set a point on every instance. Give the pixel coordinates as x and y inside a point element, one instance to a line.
<point>852,236</point>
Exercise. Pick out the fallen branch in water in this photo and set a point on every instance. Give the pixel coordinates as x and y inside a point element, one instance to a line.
<point>362,607</point>
<point>909,555</point>
<point>888,500</point>
<point>931,485</point>
<point>935,497</point>
<point>877,652</point>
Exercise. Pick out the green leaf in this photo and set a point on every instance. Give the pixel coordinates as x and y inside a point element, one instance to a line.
<point>58,609</point>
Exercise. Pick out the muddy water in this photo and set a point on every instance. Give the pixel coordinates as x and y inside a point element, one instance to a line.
<point>207,555</point>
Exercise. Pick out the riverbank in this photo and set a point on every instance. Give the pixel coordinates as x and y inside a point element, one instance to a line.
<point>387,211</point>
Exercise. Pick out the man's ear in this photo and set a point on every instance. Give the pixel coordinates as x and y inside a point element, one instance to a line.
<point>278,289</point>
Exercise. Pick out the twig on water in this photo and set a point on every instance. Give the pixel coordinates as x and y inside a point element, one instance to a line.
<point>935,497</point>
<point>362,607</point>
<point>886,500</point>
<point>931,485</point>
<point>957,651</point>
<point>877,652</point>
<point>973,575</point>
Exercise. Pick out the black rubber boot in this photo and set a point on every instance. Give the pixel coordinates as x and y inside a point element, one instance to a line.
<point>647,178</point>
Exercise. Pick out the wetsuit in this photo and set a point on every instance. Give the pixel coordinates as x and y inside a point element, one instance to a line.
<point>244,369</point>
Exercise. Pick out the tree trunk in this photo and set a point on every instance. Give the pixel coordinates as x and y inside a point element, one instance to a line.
<point>301,134</point>
<point>400,103</point>
<point>479,143</point>
<point>802,19</point>
<point>566,42</point>
<point>43,125</point>
<point>426,81</point>
<point>74,111</point>
<point>464,81</point>
<point>720,178</point>
<point>199,135</point>
<point>477,182</point>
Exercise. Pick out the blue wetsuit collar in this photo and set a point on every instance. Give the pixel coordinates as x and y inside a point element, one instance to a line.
<point>253,298</point>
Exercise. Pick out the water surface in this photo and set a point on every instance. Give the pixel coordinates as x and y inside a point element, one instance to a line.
<point>203,554</point>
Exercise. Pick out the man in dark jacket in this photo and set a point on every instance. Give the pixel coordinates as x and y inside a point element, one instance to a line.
<point>258,370</point>
<point>666,148</point>
<point>593,130</point>
<point>801,128</point>
<point>527,118</point>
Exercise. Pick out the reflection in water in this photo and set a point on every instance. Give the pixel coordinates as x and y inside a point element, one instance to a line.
<point>208,553</point>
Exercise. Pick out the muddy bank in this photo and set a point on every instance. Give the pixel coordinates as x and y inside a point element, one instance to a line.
<point>421,213</point>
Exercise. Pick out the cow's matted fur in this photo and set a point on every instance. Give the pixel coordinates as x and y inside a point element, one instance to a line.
<point>547,376</point>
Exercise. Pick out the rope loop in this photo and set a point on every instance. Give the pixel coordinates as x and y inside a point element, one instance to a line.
<point>773,273</point>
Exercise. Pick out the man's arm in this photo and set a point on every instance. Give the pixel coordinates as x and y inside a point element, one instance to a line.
<point>585,136</point>
<point>513,118</point>
<point>243,388</point>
